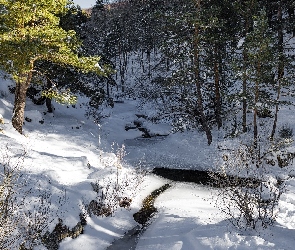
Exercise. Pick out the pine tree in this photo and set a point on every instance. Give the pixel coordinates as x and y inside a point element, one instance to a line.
<point>262,56</point>
<point>196,52</point>
<point>30,32</point>
<point>99,5</point>
<point>197,38</point>
<point>219,22</point>
<point>246,10</point>
<point>281,20</point>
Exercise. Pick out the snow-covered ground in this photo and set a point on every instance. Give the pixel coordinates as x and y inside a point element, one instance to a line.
<point>65,153</point>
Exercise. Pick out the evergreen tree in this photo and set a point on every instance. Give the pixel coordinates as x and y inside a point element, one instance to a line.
<point>51,79</point>
<point>31,32</point>
<point>245,11</point>
<point>219,22</point>
<point>281,20</point>
<point>99,5</point>
<point>74,19</point>
<point>196,53</point>
<point>262,57</point>
<point>202,31</point>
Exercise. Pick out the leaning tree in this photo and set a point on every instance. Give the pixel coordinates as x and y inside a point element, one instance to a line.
<point>30,31</point>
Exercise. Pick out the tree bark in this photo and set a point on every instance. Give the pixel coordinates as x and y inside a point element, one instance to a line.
<point>244,101</point>
<point>249,9</point>
<point>20,101</point>
<point>280,67</point>
<point>255,127</point>
<point>197,79</point>
<point>217,88</point>
<point>48,100</point>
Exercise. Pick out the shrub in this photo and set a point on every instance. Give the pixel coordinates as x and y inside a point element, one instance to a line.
<point>116,190</point>
<point>252,200</point>
<point>20,228</point>
<point>9,204</point>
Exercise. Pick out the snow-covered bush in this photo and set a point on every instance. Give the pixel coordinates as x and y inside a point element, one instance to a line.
<point>9,206</point>
<point>248,193</point>
<point>20,227</point>
<point>113,192</point>
<point>117,189</point>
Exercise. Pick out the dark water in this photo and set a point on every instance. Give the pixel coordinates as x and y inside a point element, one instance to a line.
<point>129,240</point>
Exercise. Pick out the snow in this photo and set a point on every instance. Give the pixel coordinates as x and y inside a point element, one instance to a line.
<point>67,153</point>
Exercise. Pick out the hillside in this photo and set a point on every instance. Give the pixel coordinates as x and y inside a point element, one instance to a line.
<point>63,157</point>
<point>149,124</point>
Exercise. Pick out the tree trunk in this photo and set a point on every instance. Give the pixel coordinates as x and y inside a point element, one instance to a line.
<point>255,127</point>
<point>217,89</point>
<point>244,101</point>
<point>48,100</point>
<point>20,101</point>
<point>280,67</point>
<point>249,8</point>
<point>197,79</point>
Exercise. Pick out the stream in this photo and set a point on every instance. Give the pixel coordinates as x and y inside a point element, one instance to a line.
<point>143,216</point>
<point>129,240</point>
<point>199,177</point>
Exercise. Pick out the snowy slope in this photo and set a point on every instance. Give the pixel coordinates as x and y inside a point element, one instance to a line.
<point>67,152</point>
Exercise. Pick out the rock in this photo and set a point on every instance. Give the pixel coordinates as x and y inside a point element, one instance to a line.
<point>129,126</point>
<point>125,202</point>
<point>145,131</point>
<point>94,207</point>
<point>28,119</point>
<point>138,123</point>
<point>83,220</point>
<point>98,209</point>
<point>77,230</point>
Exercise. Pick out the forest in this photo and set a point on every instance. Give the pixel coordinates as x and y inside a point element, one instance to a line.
<point>203,64</point>
<point>108,112</point>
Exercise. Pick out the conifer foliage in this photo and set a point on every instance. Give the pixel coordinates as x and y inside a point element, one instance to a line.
<point>201,63</point>
<point>30,31</point>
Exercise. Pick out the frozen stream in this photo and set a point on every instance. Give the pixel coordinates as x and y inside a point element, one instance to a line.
<point>183,208</point>
<point>128,241</point>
